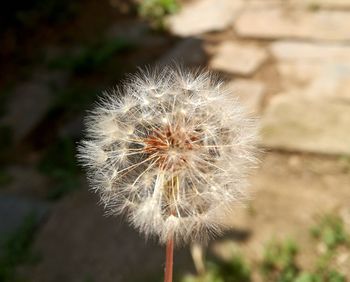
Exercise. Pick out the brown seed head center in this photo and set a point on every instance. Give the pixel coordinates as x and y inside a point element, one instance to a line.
<point>170,146</point>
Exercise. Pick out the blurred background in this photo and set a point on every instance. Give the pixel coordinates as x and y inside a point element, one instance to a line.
<point>288,61</point>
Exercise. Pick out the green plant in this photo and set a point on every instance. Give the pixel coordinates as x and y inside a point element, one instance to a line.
<point>59,163</point>
<point>235,270</point>
<point>30,13</point>
<point>5,94</point>
<point>5,178</point>
<point>5,141</point>
<point>73,99</point>
<point>328,276</point>
<point>88,278</point>
<point>155,11</point>
<point>17,249</point>
<point>91,57</point>
<point>308,277</point>
<point>279,261</point>
<point>313,7</point>
<point>344,162</point>
<point>330,230</point>
<point>207,277</point>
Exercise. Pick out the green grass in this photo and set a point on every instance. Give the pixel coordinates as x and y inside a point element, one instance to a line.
<point>16,250</point>
<point>74,99</point>
<point>59,164</point>
<point>5,94</point>
<point>5,130</point>
<point>279,262</point>
<point>155,11</point>
<point>344,161</point>
<point>6,137</point>
<point>88,278</point>
<point>331,231</point>
<point>31,13</point>
<point>313,7</point>
<point>91,58</point>
<point>332,276</point>
<point>58,161</point>
<point>5,178</point>
<point>235,270</point>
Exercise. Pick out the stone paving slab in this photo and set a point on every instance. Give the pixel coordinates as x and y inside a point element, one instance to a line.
<point>332,82</point>
<point>282,22</point>
<point>203,16</point>
<point>237,58</point>
<point>312,5</point>
<point>315,4</point>
<point>314,70</point>
<point>249,92</point>
<point>317,81</point>
<point>296,124</point>
<point>312,52</point>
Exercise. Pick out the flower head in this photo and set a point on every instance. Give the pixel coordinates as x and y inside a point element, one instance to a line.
<point>171,150</point>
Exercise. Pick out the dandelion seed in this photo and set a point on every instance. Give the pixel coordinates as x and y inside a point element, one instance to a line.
<point>171,150</point>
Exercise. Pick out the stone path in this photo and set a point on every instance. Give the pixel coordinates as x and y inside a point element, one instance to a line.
<point>307,125</point>
<point>279,22</point>
<point>204,16</point>
<point>291,192</point>
<point>238,59</point>
<point>287,61</point>
<point>306,43</point>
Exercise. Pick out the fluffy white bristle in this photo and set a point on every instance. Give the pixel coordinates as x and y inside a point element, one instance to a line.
<point>172,151</point>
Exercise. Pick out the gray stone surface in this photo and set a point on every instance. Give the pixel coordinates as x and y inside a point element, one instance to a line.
<point>238,58</point>
<point>279,22</point>
<point>188,51</point>
<point>314,70</point>
<point>312,52</point>
<point>73,128</point>
<point>79,242</point>
<point>249,92</point>
<point>332,82</point>
<point>30,101</point>
<point>129,31</point>
<point>312,5</point>
<point>137,33</point>
<point>201,16</point>
<point>296,124</point>
<point>14,211</point>
<point>27,181</point>
<point>317,81</point>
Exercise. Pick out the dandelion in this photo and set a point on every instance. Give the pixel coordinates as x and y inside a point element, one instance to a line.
<point>171,150</point>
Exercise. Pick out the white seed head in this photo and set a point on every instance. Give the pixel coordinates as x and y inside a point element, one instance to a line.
<point>172,150</point>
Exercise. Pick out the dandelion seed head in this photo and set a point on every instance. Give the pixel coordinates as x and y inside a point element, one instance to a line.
<point>172,150</point>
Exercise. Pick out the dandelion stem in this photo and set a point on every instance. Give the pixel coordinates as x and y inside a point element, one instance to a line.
<point>169,259</point>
